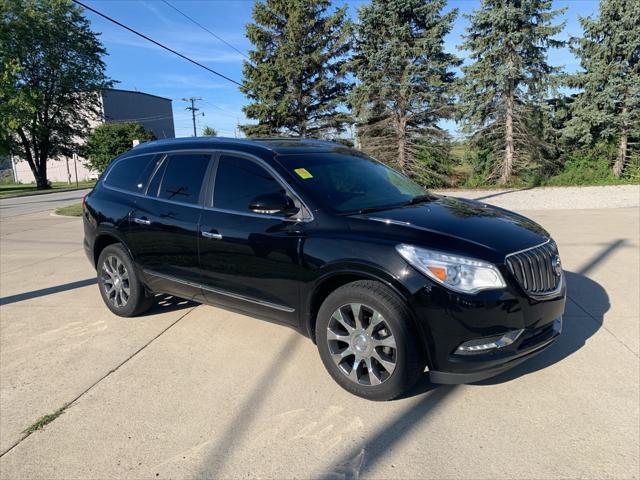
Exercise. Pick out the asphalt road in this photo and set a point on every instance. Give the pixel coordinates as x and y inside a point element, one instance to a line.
<point>199,392</point>
<point>12,207</point>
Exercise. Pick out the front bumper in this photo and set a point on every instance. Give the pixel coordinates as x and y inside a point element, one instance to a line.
<point>537,342</point>
<point>448,320</point>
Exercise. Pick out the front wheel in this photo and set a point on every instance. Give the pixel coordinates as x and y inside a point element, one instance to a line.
<point>366,341</point>
<point>119,285</point>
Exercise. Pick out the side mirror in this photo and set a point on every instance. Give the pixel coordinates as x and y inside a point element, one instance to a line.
<point>273,204</point>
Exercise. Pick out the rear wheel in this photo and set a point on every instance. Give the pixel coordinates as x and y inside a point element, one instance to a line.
<point>119,285</point>
<point>366,341</point>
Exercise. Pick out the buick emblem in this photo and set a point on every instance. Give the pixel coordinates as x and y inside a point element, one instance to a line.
<point>556,264</point>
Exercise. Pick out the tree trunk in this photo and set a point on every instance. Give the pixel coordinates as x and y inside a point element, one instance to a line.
<point>401,126</point>
<point>41,173</point>
<point>618,166</point>
<point>507,165</point>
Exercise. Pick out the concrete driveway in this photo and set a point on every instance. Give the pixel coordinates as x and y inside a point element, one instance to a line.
<point>198,392</point>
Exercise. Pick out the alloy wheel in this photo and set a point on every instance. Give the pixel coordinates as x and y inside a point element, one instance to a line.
<point>362,344</point>
<point>115,281</point>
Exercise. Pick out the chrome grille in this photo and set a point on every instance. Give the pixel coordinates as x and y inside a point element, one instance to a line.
<point>534,269</point>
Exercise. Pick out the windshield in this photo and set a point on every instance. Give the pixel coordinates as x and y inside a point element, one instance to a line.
<point>350,183</point>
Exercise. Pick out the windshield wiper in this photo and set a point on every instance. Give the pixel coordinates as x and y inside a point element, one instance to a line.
<point>421,199</point>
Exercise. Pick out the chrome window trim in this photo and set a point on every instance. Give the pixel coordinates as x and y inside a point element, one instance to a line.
<point>279,179</point>
<point>213,152</point>
<point>264,303</point>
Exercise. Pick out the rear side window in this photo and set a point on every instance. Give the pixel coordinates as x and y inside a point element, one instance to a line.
<point>131,174</point>
<point>183,176</point>
<point>238,181</point>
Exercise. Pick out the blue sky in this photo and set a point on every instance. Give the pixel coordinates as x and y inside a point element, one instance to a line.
<point>140,65</point>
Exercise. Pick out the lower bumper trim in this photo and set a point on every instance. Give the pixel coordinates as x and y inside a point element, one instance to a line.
<point>454,378</point>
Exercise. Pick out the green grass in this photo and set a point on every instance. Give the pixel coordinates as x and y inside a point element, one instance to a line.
<point>21,189</point>
<point>42,421</point>
<point>74,210</point>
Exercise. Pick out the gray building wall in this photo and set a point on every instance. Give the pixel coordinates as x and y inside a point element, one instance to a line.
<point>154,113</point>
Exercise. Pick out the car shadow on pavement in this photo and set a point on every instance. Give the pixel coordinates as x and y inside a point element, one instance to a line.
<point>168,303</point>
<point>578,326</point>
<point>588,302</point>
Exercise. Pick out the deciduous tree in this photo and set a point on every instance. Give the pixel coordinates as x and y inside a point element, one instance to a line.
<point>51,70</point>
<point>109,140</point>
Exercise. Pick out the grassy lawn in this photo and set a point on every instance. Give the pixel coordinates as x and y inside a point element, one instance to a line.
<point>74,210</point>
<point>19,189</point>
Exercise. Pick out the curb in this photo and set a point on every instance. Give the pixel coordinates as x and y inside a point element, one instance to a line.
<point>18,195</point>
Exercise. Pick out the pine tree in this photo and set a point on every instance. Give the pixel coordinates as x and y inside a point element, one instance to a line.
<point>296,76</point>
<point>504,87</point>
<point>608,105</point>
<point>404,79</point>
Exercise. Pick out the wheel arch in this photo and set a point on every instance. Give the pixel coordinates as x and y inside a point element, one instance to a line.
<point>338,277</point>
<point>105,238</point>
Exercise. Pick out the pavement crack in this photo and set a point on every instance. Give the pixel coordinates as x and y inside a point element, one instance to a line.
<point>50,418</point>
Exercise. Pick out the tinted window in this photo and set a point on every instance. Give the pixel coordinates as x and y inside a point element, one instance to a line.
<point>347,183</point>
<point>183,176</point>
<point>154,183</point>
<point>131,174</point>
<point>238,181</point>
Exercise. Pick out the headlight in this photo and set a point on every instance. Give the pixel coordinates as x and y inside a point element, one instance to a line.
<point>461,274</point>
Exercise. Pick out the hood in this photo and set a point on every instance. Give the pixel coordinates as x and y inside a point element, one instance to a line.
<point>453,222</point>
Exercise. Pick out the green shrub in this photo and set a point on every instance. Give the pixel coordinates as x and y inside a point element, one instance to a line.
<point>589,166</point>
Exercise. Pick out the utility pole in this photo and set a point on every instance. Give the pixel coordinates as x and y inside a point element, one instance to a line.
<point>193,109</point>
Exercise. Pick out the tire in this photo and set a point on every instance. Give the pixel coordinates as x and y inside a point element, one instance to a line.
<point>392,340</point>
<point>119,285</point>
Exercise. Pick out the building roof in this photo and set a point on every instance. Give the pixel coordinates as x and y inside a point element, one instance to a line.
<point>134,91</point>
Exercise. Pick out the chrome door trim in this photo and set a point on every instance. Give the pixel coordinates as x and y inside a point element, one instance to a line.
<point>263,303</point>
<point>215,236</point>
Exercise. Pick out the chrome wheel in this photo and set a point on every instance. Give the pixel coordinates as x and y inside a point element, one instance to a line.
<point>115,281</point>
<point>361,344</point>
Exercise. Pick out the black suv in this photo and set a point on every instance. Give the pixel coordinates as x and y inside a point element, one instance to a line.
<point>387,279</point>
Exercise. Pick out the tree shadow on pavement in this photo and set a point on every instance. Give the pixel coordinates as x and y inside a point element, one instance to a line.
<point>19,297</point>
<point>373,449</point>
<point>163,303</point>
<point>226,442</point>
<point>507,192</point>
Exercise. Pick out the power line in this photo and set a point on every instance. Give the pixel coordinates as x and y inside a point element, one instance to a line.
<point>154,42</point>
<point>206,29</point>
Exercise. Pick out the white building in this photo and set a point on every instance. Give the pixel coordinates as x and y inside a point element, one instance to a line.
<point>152,112</point>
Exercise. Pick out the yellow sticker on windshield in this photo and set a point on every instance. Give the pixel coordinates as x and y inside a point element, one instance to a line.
<point>303,173</point>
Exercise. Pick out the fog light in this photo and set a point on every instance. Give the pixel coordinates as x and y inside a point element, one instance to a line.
<point>482,345</point>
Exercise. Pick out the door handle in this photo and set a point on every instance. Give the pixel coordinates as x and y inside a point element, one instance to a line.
<point>142,221</point>
<point>214,235</point>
